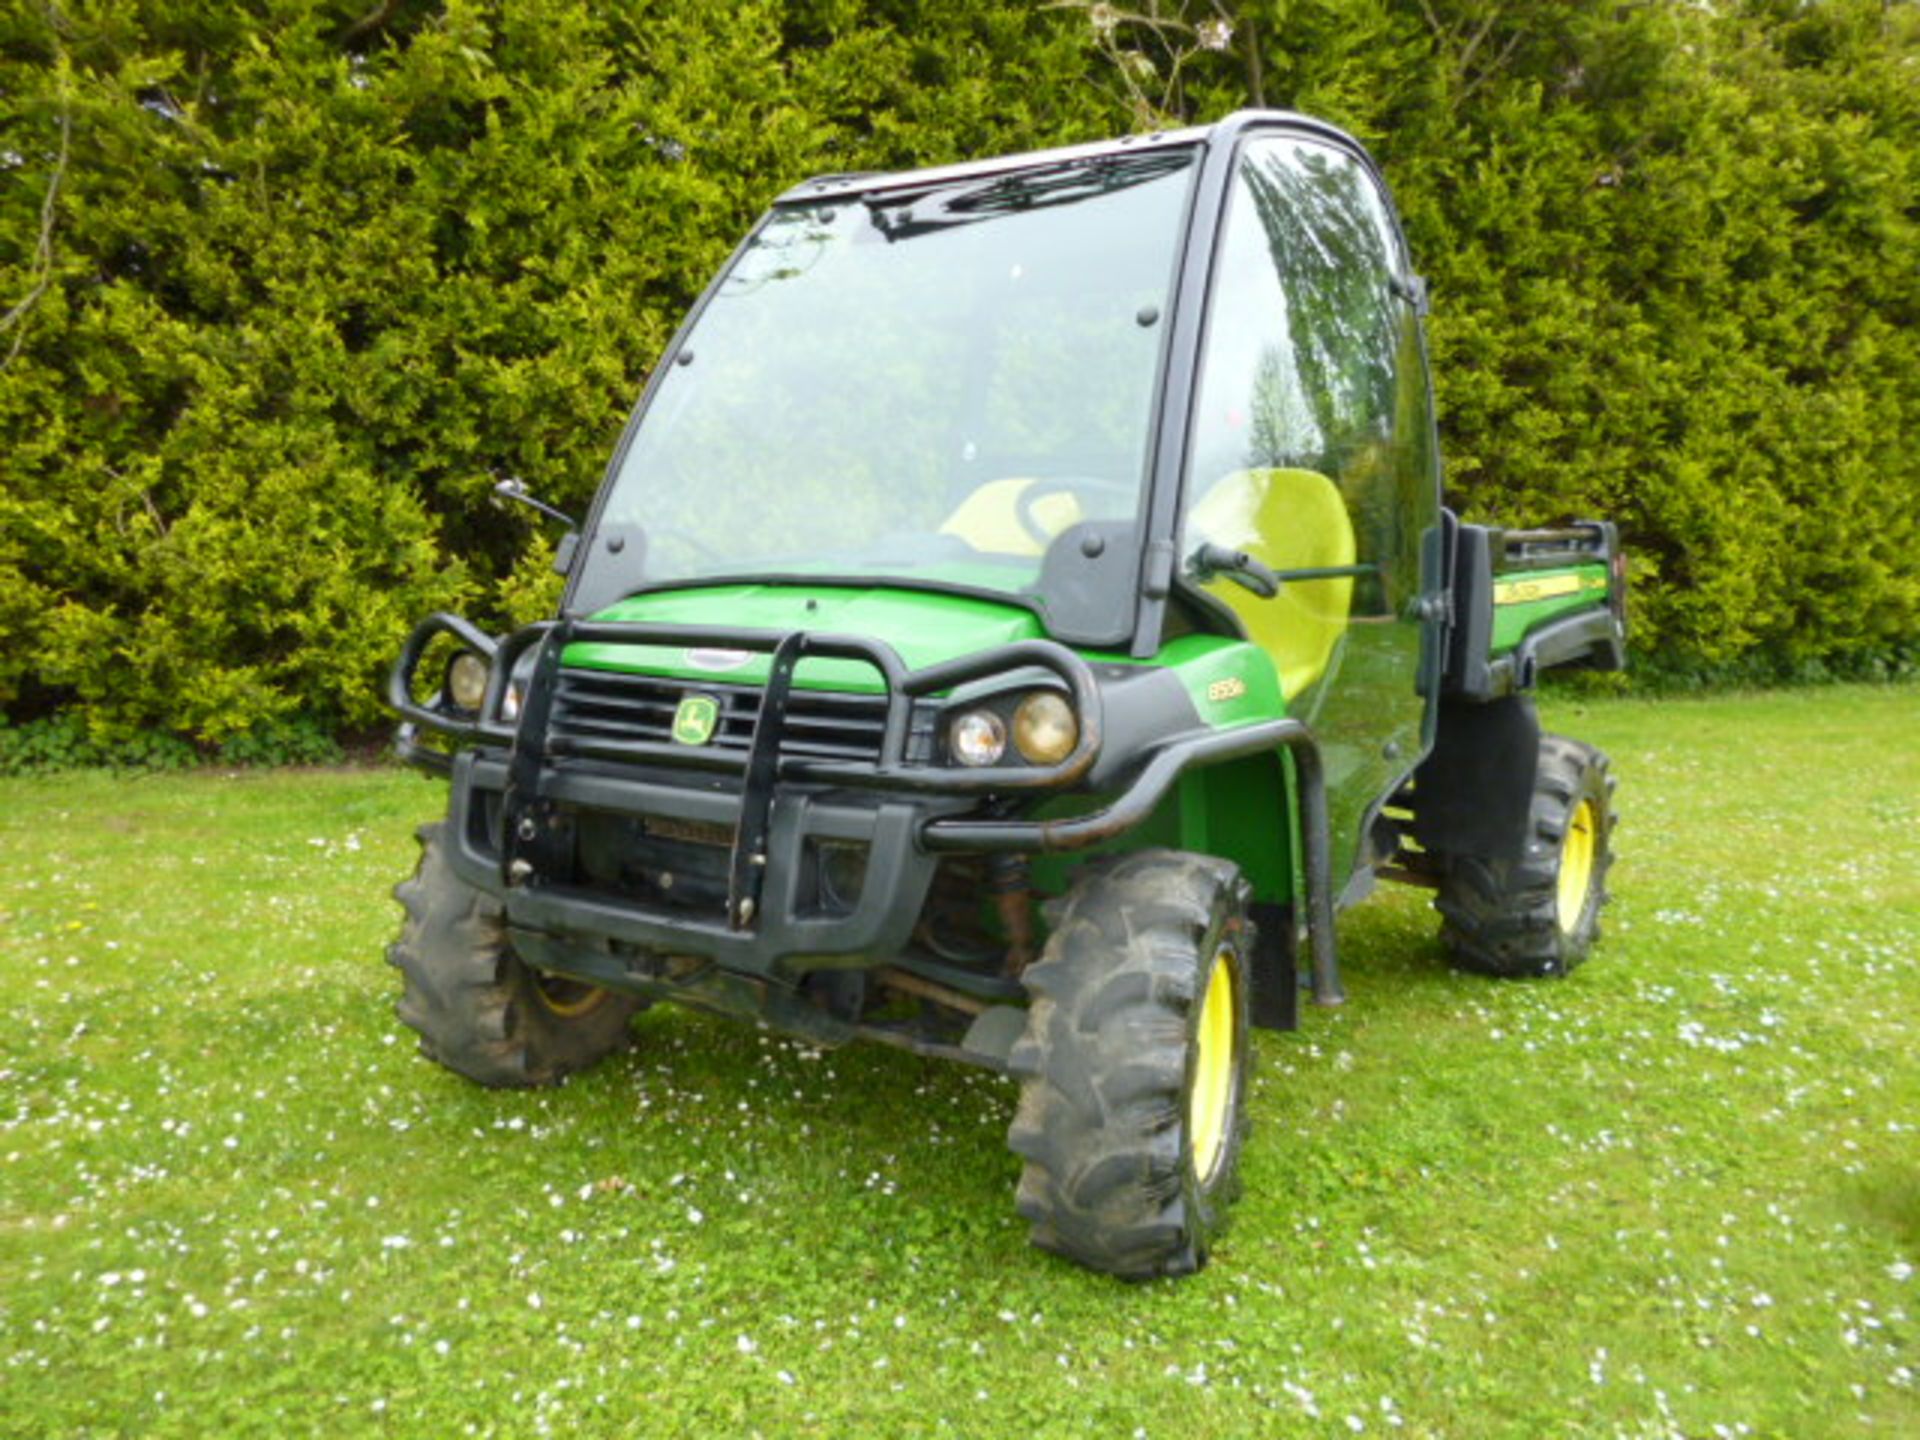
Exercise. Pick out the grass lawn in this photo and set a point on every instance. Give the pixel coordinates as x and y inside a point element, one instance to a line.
<point>1677,1194</point>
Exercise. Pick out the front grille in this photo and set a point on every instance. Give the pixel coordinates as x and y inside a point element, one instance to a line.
<point>590,705</point>
<point>627,855</point>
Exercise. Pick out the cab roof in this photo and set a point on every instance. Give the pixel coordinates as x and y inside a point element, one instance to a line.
<point>825,187</point>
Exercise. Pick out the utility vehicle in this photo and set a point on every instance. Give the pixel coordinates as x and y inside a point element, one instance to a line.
<point>1018,615</point>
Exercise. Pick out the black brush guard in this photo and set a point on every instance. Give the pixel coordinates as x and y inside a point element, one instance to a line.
<point>917,816</point>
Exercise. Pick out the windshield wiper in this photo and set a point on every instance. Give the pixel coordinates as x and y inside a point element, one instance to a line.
<point>902,217</point>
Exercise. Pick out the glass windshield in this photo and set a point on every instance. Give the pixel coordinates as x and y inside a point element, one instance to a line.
<point>944,387</point>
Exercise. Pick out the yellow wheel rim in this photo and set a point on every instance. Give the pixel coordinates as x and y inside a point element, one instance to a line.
<point>1576,866</point>
<point>1211,1100</point>
<point>566,997</point>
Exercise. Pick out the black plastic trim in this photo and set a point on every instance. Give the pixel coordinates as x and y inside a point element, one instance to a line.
<point>1481,557</point>
<point>462,726</point>
<point>1276,978</point>
<point>783,931</point>
<point>1473,794</point>
<point>529,735</point>
<point>1588,635</point>
<point>1470,645</point>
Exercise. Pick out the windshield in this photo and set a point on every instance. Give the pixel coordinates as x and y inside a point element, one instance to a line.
<point>949,387</point>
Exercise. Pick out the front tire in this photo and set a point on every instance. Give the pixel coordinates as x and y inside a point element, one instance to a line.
<point>479,1008</point>
<point>1540,914</point>
<point>1134,1066</point>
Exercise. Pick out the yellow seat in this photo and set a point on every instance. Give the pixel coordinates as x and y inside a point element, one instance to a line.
<point>989,518</point>
<point>1287,520</point>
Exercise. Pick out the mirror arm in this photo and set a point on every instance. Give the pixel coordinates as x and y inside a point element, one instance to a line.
<point>514,488</point>
<point>1212,561</point>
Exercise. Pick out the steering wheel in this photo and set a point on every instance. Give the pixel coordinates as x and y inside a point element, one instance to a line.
<point>1026,508</point>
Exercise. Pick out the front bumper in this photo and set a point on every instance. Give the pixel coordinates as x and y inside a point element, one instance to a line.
<point>532,794</point>
<point>796,925</point>
<point>525,798</point>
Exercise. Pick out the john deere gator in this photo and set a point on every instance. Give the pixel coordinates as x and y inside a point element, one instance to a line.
<point>1020,613</point>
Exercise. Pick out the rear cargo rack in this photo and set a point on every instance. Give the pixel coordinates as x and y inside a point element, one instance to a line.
<point>1482,558</point>
<point>1580,543</point>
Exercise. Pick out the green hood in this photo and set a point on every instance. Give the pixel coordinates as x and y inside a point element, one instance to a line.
<point>922,628</point>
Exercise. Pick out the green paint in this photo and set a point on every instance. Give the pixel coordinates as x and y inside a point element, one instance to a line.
<point>1512,621</point>
<point>1230,681</point>
<point>1053,874</point>
<point>1243,809</point>
<point>922,628</point>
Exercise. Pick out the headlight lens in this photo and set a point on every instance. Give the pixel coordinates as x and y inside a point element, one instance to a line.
<point>978,737</point>
<point>1044,728</point>
<point>467,680</point>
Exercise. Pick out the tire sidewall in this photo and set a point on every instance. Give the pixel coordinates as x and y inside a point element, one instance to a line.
<point>1228,935</point>
<point>1501,916</point>
<point>1108,1061</point>
<point>1591,791</point>
<point>476,1005</point>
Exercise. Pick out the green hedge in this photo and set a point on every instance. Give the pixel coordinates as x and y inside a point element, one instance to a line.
<point>311,276</point>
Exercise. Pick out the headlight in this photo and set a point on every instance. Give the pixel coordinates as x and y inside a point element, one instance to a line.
<point>1044,728</point>
<point>467,680</point>
<point>978,737</point>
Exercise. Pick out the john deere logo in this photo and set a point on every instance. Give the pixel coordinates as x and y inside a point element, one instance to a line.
<point>696,719</point>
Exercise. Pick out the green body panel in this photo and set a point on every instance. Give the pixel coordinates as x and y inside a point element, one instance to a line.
<point>1522,601</point>
<point>1230,681</point>
<point>1053,873</point>
<point>1242,809</point>
<point>924,628</point>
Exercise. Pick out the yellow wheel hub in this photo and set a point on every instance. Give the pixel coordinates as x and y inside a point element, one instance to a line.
<point>1576,865</point>
<point>565,997</point>
<point>1210,1103</point>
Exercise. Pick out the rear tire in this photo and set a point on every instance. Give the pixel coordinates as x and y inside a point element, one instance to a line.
<point>480,1010</point>
<point>1134,1066</point>
<point>1539,915</point>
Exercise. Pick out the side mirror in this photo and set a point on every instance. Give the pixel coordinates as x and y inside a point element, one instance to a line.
<point>513,488</point>
<point>1211,561</point>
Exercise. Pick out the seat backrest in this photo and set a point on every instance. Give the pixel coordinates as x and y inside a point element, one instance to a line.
<point>1287,520</point>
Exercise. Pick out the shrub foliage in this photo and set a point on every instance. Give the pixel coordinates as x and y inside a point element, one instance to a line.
<point>288,284</point>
